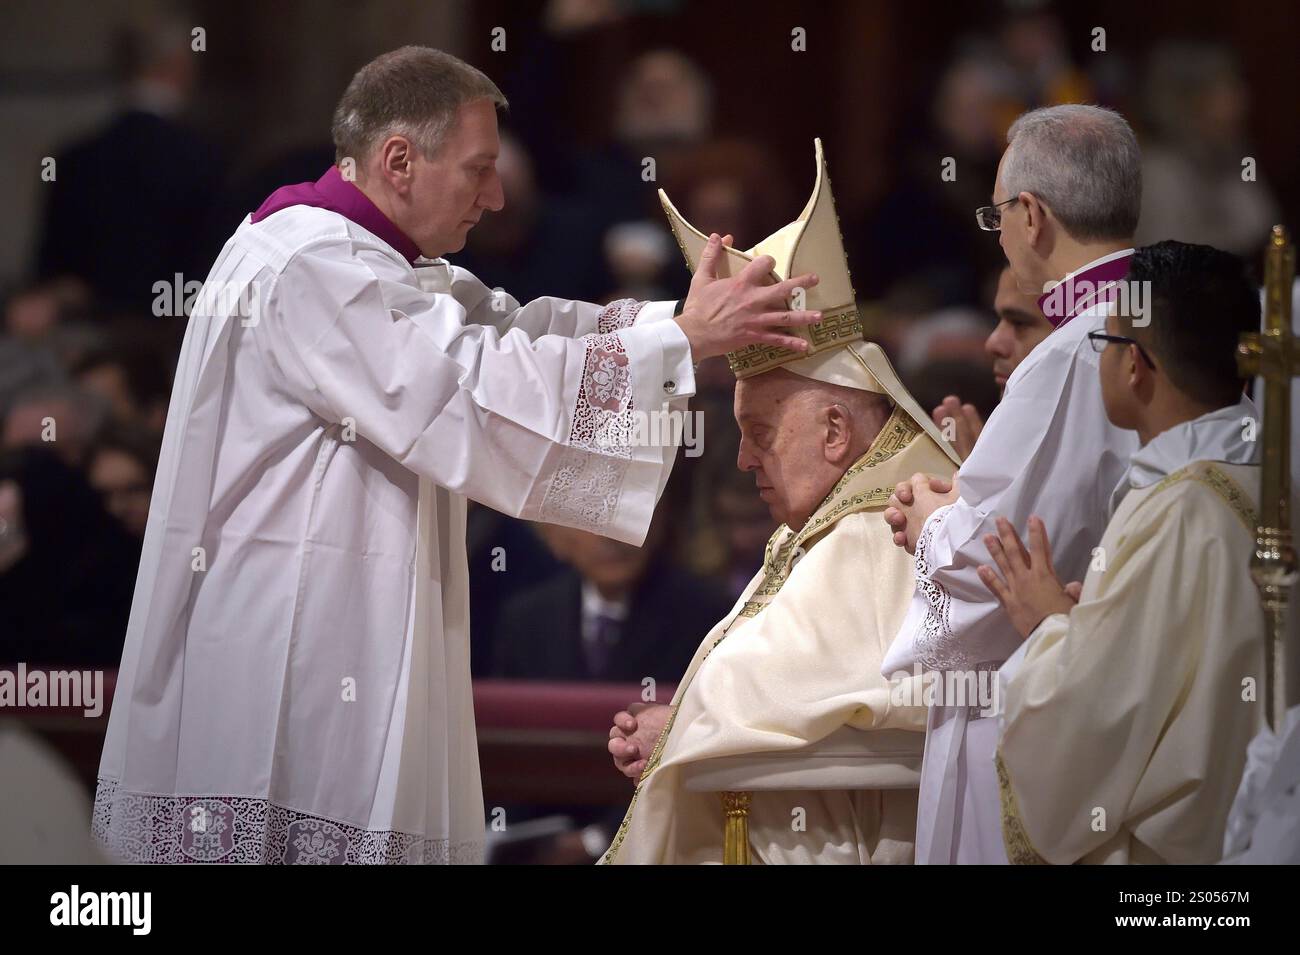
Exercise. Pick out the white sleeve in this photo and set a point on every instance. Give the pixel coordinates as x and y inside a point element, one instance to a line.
<point>550,316</point>
<point>542,427</point>
<point>1047,450</point>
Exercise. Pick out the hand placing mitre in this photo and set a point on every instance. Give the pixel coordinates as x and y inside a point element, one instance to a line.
<point>912,502</point>
<point>725,314</point>
<point>1028,589</point>
<point>960,423</point>
<point>634,734</point>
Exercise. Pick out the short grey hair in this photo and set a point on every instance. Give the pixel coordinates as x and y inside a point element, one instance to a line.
<point>1084,164</point>
<point>414,91</point>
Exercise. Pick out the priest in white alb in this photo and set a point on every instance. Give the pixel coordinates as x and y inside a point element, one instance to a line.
<point>1065,205</point>
<point>295,684</point>
<point>1126,718</point>
<point>798,658</point>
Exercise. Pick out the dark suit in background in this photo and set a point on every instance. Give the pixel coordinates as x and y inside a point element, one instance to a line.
<point>538,633</point>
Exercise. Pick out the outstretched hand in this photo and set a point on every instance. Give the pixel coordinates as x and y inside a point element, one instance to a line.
<point>725,314</point>
<point>1028,589</point>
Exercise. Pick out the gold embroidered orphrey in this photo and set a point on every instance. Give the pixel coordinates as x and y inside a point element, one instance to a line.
<point>857,490</point>
<point>811,243</point>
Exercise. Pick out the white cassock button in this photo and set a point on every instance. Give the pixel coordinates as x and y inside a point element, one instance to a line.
<point>670,387</point>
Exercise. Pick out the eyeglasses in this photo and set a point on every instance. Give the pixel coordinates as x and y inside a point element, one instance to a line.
<point>990,217</point>
<point>1100,340</point>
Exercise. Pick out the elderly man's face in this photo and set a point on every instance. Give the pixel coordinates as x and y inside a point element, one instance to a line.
<point>451,190</point>
<point>795,439</point>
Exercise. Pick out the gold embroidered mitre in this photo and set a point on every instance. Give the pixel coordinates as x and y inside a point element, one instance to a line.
<point>811,243</point>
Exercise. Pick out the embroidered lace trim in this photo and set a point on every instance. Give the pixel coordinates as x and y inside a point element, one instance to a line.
<point>937,647</point>
<point>138,827</point>
<point>618,314</point>
<point>588,480</point>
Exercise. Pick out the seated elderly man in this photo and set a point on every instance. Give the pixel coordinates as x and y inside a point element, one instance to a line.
<point>826,436</point>
<point>799,656</point>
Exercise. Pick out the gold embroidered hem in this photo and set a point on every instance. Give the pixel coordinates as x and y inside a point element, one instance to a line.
<point>1020,851</point>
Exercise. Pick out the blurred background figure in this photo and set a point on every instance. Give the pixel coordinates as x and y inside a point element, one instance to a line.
<point>131,381</point>
<point>535,238</point>
<point>664,110</point>
<point>1195,187</point>
<point>615,613</point>
<point>611,613</point>
<point>120,466</point>
<point>67,568</point>
<point>924,254</point>
<point>57,416</point>
<point>739,528</point>
<point>638,254</point>
<point>950,334</point>
<point>132,203</point>
<point>1033,45</point>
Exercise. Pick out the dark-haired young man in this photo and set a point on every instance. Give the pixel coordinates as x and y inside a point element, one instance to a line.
<point>1125,717</point>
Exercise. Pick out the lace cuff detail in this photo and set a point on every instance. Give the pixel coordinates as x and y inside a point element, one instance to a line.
<point>584,491</point>
<point>143,828</point>
<point>620,313</point>
<point>936,645</point>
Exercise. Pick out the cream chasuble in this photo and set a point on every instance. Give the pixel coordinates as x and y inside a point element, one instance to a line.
<point>1126,721</point>
<point>797,658</point>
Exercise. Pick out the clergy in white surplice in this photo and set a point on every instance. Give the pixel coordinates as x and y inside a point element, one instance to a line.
<point>1125,719</point>
<point>1065,201</point>
<point>295,685</point>
<point>827,437</point>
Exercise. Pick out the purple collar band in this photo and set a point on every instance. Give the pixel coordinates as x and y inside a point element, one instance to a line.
<point>1084,289</point>
<point>331,191</point>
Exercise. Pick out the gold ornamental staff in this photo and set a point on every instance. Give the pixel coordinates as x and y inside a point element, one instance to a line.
<point>1273,355</point>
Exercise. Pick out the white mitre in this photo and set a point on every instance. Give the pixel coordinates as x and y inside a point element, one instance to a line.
<point>837,353</point>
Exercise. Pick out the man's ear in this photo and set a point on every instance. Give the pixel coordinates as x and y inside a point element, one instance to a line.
<point>1141,378</point>
<point>1035,218</point>
<point>839,433</point>
<point>395,156</point>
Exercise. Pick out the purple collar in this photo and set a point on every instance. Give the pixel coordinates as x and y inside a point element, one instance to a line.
<point>331,191</point>
<point>1084,289</point>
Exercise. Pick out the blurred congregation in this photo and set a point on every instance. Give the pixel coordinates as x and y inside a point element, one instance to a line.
<point>159,150</point>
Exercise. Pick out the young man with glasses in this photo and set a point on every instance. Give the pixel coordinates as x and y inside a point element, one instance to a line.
<point>1131,708</point>
<point>1065,202</point>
